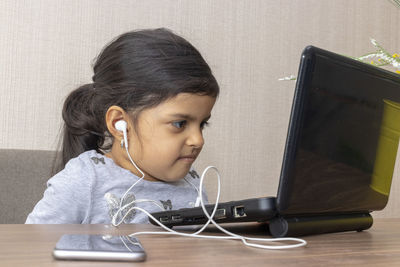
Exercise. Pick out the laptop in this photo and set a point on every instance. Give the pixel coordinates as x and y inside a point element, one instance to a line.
<point>339,156</point>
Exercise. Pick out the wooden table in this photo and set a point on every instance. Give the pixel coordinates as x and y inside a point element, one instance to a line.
<point>31,245</point>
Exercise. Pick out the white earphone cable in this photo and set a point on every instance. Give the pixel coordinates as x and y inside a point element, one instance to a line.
<point>300,242</point>
<point>120,209</point>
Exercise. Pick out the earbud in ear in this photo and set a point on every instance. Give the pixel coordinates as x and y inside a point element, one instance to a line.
<point>121,126</point>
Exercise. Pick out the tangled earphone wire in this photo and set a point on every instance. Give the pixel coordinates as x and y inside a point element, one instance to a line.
<point>168,231</point>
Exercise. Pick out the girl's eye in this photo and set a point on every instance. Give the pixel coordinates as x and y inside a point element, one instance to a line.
<point>204,124</point>
<point>179,124</point>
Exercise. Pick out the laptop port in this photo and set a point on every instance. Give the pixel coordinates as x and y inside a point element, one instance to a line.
<point>238,212</point>
<point>176,218</point>
<point>164,219</point>
<point>220,214</point>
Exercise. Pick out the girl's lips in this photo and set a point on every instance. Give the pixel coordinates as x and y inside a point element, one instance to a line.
<point>188,159</point>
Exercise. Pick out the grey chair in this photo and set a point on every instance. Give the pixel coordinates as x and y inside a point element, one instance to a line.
<point>23,177</point>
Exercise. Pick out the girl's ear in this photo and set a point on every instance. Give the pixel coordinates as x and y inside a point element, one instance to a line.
<point>114,114</point>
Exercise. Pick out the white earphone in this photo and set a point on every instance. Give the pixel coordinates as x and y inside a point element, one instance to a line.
<point>121,126</point>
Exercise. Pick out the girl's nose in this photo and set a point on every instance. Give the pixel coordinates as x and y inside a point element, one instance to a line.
<point>195,139</point>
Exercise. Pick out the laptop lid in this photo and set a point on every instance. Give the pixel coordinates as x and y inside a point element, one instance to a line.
<point>342,138</point>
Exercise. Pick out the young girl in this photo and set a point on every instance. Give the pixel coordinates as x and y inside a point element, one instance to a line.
<point>160,89</point>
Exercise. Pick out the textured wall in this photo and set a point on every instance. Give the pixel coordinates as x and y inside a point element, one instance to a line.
<point>46,49</point>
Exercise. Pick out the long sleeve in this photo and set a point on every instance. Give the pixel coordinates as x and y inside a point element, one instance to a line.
<point>67,198</point>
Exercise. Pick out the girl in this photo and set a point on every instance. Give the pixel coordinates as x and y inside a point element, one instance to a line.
<point>160,89</point>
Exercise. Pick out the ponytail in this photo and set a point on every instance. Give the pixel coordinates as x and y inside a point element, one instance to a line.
<point>82,130</point>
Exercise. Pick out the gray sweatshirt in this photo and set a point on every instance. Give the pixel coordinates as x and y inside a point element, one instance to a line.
<point>89,189</point>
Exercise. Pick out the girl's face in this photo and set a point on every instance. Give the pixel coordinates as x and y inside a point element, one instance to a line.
<point>169,137</point>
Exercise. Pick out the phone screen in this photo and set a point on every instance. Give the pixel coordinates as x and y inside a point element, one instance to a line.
<point>99,247</point>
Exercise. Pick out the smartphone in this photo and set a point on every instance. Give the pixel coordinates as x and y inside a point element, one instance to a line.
<point>99,248</point>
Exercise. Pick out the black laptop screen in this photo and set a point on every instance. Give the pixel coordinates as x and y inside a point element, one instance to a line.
<point>348,129</point>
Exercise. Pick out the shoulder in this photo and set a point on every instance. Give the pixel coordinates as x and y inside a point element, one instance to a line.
<point>84,163</point>
<point>67,198</point>
<point>87,158</point>
<point>77,170</point>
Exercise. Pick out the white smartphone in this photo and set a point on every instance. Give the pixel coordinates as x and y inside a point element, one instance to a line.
<point>99,248</point>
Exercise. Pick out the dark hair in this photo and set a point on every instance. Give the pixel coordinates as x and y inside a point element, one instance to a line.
<point>137,70</point>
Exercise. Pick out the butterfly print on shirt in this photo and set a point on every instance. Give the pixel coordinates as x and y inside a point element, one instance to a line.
<point>167,204</point>
<point>194,174</point>
<point>113,207</point>
<point>97,160</point>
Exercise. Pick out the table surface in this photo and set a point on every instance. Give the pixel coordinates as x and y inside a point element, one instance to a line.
<point>32,245</point>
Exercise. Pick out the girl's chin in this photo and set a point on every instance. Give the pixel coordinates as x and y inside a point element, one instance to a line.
<point>170,179</point>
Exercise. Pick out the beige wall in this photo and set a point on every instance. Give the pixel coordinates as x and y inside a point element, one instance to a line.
<point>46,48</point>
